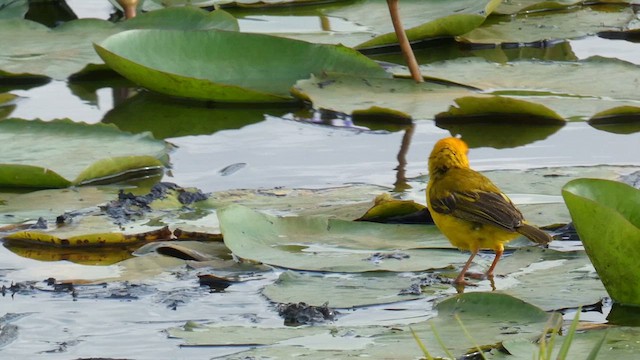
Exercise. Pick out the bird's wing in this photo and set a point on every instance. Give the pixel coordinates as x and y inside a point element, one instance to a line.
<point>483,207</point>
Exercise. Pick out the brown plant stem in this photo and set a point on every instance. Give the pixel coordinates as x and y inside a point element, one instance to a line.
<point>407,51</point>
<point>130,7</point>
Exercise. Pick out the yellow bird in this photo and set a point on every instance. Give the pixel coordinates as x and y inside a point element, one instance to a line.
<point>469,209</point>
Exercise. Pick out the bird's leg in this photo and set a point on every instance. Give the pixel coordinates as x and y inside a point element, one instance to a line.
<point>499,252</point>
<point>460,279</point>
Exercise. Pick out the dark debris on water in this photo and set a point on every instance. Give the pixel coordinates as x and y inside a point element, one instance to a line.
<point>296,314</point>
<point>379,257</point>
<point>128,205</point>
<point>426,281</point>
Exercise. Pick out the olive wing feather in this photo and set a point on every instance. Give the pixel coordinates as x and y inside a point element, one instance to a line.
<point>480,206</point>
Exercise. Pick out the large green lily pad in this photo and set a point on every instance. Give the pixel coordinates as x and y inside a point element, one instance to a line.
<point>30,49</point>
<point>323,244</point>
<point>225,66</point>
<point>607,218</point>
<point>62,153</point>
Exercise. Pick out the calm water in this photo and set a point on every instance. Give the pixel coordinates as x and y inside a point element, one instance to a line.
<point>270,150</point>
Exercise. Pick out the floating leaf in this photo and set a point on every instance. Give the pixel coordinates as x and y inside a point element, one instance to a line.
<point>546,26</point>
<point>78,255</point>
<point>50,203</point>
<point>462,17</point>
<point>264,67</point>
<point>13,9</point>
<point>490,317</point>
<point>620,344</point>
<point>343,246</point>
<point>32,50</point>
<point>351,94</point>
<point>73,156</point>
<point>340,291</point>
<point>526,6</point>
<point>389,210</point>
<point>499,121</point>
<point>619,120</point>
<point>88,239</point>
<point>607,218</point>
<point>476,108</point>
<point>533,273</point>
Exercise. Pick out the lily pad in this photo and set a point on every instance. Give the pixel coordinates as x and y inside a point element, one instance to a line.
<point>533,273</point>
<point>13,9</point>
<point>78,255</point>
<point>547,26</point>
<point>73,154</point>
<point>453,18</point>
<point>620,343</point>
<point>48,204</point>
<point>527,6</point>
<point>31,50</point>
<point>389,210</point>
<point>619,120</point>
<point>344,246</point>
<point>606,216</point>
<point>490,317</point>
<point>505,122</point>
<point>574,90</point>
<point>472,108</point>
<point>340,291</point>
<point>264,67</point>
<point>351,94</point>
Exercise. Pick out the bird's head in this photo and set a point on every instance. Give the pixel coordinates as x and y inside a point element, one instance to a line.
<point>448,153</point>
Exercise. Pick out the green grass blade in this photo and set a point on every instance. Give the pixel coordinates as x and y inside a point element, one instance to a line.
<point>466,333</point>
<point>421,344</point>
<point>440,342</point>
<point>564,350</point>
<point>596,348</point>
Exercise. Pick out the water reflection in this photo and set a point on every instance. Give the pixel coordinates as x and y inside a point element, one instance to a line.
<point>169,118</point>
<point>448,49</point>
<point>497,133</point>
<point>94,256</point>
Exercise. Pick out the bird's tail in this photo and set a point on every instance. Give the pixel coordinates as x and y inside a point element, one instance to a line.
<point>534,234</point>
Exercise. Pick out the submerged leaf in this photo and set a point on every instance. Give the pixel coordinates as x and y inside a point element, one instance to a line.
<point>607,218</point>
